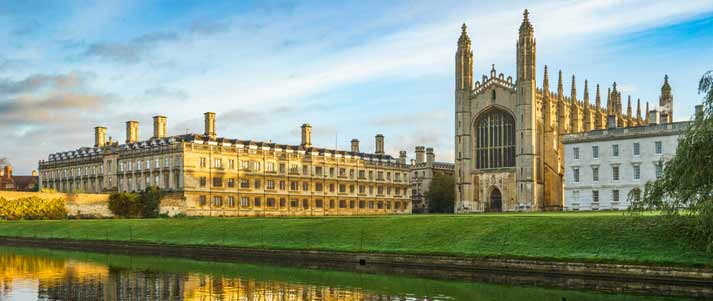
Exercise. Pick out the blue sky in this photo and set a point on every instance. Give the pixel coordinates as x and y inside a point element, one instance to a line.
<point>351,69</point>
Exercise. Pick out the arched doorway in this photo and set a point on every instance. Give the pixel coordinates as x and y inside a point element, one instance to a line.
<point>496,201</point>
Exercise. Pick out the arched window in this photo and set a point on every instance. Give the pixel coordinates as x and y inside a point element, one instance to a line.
<point>495,141</point>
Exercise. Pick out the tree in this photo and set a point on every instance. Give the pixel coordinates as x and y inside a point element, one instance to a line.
<point>130,204</point>
<point>150,201</point>
<point>685,189</point>
<point>441,194</point>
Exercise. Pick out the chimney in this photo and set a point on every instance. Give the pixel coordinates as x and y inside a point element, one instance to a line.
<point>379,144</point>
<point>355,145</point>
<point>699,111</point>
<point>99,136</point>
<point>34,173</point>
<point>159,127</point>
<point>420,150</point>
<point>8,172</point>
<point>430,156</point>
<point>653,117</point>
<point>402,157</point>
<point>132,131</point>
<point>306,135</point>
<point>611,122</point>
<point>209,124</point>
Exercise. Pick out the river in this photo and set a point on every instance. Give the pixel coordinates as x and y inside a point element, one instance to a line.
<point>42,274</point>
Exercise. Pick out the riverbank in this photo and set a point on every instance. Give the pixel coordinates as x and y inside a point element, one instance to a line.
<point>607,237</point>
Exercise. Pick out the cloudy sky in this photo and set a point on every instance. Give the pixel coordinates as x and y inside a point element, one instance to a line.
<point>351,69</point>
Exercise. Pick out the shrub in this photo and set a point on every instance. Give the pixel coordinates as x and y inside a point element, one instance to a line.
<point>131,204</point>
<point>32,208</point>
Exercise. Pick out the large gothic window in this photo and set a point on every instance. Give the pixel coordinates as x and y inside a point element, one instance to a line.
<point>495,142</point>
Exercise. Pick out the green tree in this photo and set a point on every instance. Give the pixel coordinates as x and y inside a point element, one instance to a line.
<point>685,189</point>
<point>441,194</point>
<point>150,201</point>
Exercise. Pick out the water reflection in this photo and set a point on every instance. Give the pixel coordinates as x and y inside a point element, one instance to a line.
<point>29,274</point>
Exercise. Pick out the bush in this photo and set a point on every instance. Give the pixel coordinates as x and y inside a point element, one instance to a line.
<point>32,208</point>
<point>131,204</point>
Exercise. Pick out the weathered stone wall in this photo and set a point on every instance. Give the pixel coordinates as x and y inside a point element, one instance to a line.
<point>76,203</point>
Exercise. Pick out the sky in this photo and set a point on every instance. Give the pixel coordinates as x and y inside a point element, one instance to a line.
<point>352,69</point>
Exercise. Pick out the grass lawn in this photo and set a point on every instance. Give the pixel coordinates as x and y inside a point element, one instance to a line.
<point>599,237</point>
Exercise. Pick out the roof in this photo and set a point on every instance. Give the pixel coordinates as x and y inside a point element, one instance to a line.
<point>24,182</point>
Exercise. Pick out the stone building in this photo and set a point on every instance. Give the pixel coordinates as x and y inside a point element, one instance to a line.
<point>508,131</point>
<point>217,176</point>
<point>422,171</point>
<point>604,166</point>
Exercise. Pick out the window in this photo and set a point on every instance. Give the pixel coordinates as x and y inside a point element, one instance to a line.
<point>495,140</point>
<point>595,151</point>
<point>637,149</point>
<point>595,173</point>
<point>317,186</point>
<point>305,186</point>
<point>231,164</point>
<point>217,201</point>
<point>282,202</point>
<point>270,202</point>
<point>595,196</point>
<point>294,185</point>
<point>218,163</point>
<point>270,166</point>
<point>658,147</point>
<point>217,182</point>
<point>318,203</point>
<point>202,181</point>
<point>231,201</point>
<point>258,202</point>
<point>637,172</point>
<point>305,204</point>
<point>270,184</point>
<point>305,170</point>
<point>201,200</point>
<point>282,167</point>
<point>575,171</point>
<point>282,185</point>
<point>257,183</point>
<point>615,150</point>
<point>244,201</point>
<point>615,196</point>
<point>342,204</point>
<point>615,173</point>
<point>244,183</point>
<point>342,188</point>
<point>231,182</point>
<point>294,203</point>
<point>659,169</point>
<point>575,151</point>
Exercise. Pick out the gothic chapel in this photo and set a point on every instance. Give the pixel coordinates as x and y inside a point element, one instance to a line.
<point>508,147</point>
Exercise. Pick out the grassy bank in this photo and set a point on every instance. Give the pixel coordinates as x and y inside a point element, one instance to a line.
<point>599,237</point>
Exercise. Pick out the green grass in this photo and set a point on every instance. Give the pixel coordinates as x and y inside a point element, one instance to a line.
<point>596,237</point>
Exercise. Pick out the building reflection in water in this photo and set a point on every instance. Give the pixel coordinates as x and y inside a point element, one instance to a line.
<point>66,279</point>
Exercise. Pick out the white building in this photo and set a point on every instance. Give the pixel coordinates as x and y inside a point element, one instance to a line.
<point>603,166</point>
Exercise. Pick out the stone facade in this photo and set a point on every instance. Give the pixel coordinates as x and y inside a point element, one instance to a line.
<point>603,166</point>
<point>422,170</point>
<point>508,132</point>
<point>216,176</point>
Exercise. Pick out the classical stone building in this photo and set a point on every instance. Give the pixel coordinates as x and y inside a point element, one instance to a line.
<point>218,176</point>
<point>422,170</point>
<point>604,166</point>
<point>508,142</point>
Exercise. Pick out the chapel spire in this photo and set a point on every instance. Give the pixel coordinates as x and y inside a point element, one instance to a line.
<point>598,99</point>
<point>573,93</point>
<point>560,89</point>
<point>628,107</point>
<point>526,49</point>
<point>464,61</point>
<point>546,83</point>
<point>638,109</point>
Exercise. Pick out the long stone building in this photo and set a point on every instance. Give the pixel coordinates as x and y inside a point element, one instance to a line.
<point>508,132</point>
<point>218,176</point>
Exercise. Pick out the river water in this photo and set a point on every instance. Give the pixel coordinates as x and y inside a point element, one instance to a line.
<point>41,274</point>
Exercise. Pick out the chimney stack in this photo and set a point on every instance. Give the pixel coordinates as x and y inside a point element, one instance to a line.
<point>132,131</point>
<point>355,145</point>
<point>99,136</point>
<point>379,144</point>
<point>420,151</point>
<point>7,172</point>
<point>653,117</point>
<point>430,156</point>
<point>402,157</point>
<point>159,127</point>
<point>306,135</point>
<point>209,124</point>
